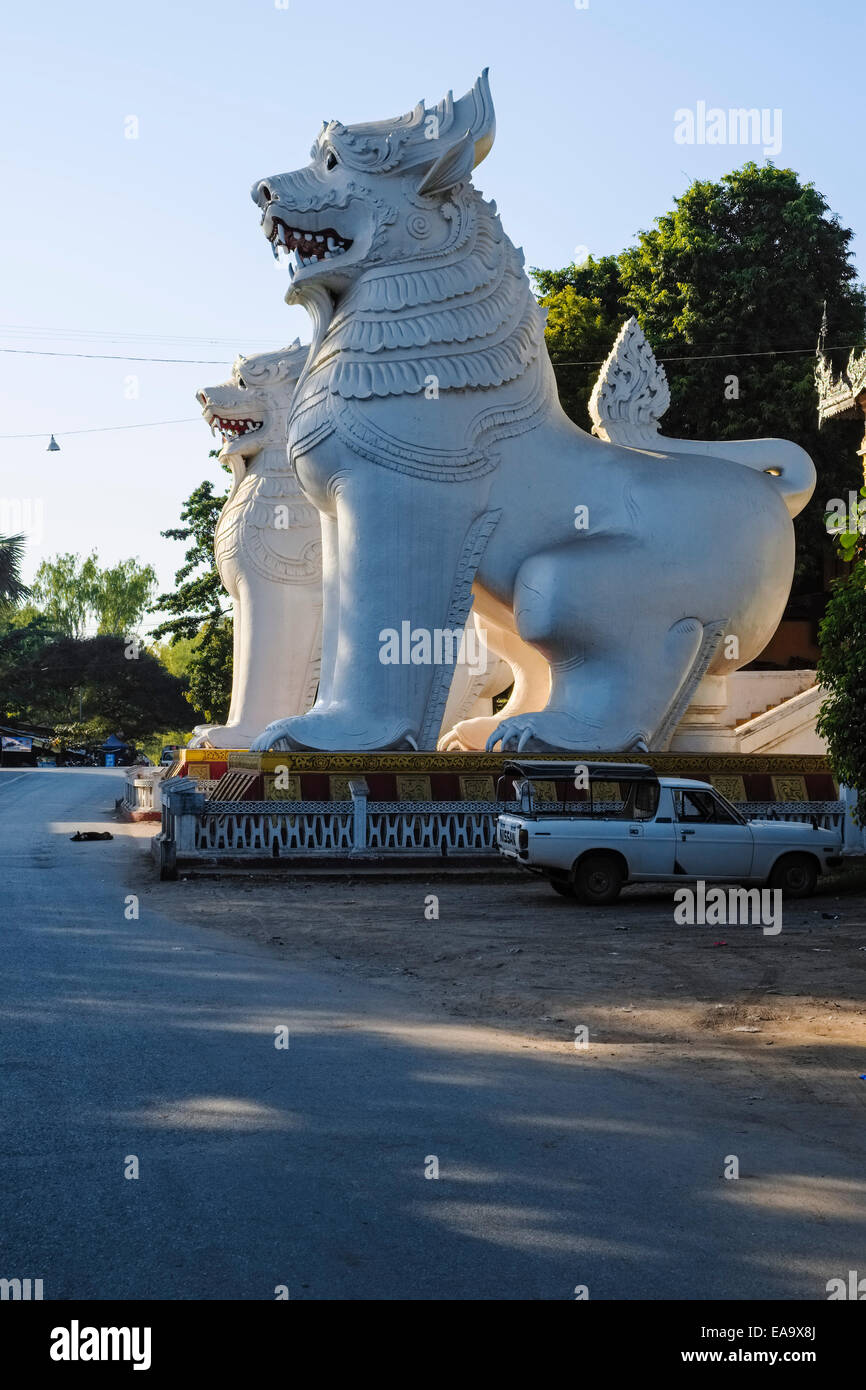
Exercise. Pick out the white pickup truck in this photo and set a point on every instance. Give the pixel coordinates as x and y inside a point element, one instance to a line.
<point>626,825</point>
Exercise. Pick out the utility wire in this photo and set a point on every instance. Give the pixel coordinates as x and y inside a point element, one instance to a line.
<point>151,424</point>
<point>104,429</point>
<point>710,356</point>
<point>220,361</point>
<point>119,357</point>
<point>114,335</point>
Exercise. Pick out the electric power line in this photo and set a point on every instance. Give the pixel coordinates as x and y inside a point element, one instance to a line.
<point>596,362</point>
<point>113,335</point>
<point>105,429</point>
<point>712,356</point>
<point>119,357</point>
<point>152,424</point>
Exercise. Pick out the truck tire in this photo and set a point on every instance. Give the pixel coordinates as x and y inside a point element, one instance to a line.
<point>598,879</point>
<point>795,874</point>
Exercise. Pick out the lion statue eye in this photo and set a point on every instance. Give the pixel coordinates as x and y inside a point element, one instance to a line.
<point>331,160</point>
<point>242,384</point>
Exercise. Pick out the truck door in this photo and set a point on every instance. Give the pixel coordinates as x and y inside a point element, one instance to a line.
<point>710,841</point>
<point>650,833</point>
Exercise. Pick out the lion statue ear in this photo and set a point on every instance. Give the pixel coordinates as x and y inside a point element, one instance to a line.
<point>475,111</point>
<point>472,114</point>
<point>453,167</point>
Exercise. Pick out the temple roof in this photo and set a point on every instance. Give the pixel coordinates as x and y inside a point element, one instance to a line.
<point>843,395</point>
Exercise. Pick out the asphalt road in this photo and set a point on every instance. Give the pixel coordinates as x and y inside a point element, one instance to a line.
<point>305,1166</point>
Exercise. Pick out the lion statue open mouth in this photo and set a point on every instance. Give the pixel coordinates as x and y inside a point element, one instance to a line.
<point>427,430</point>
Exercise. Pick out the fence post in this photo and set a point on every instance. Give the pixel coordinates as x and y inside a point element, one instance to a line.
<point>182,803</point>
<point>359,791</point>
<point>853,835</point>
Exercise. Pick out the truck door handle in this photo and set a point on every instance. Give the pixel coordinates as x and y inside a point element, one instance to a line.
<point>687,832</point>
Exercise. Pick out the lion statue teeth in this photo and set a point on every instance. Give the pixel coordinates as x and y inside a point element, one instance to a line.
<point>427,431</point>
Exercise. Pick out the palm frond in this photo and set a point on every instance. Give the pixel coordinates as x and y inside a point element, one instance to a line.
<point>12,590</point>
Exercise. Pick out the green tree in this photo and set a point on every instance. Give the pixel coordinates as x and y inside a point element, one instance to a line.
<point>842,672</point>
<point>210,673</point>
<point>585,311</point>
<point>98,681</point>
<point>76,594</point>
<point>20,644</point>
<point>123,594</point>
<point>733,280</point>
<point>64,590</point>
<point>842,666</point>
<point>176,656</point>
<point>12,590</point>
<point>198,606</point>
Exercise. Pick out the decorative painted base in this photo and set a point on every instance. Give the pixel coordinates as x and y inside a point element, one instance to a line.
<point>454,777</point>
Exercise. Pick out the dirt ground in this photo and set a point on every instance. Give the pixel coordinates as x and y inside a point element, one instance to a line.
<point>510,954</point>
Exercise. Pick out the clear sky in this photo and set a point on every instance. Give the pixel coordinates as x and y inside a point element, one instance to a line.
<point>151,246</point>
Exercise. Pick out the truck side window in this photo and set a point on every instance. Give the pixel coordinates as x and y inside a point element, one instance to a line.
<point>701,808</point>
<point>642,801</point>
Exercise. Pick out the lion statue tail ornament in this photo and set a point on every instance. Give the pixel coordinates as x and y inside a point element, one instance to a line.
<point>427,431</point>
<point>631,395</point>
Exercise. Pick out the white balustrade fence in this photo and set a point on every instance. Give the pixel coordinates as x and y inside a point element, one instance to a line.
<point>316,827</point>
<point>828,814</point>
<point>431,827</point>
<point>141,788</point>
<point>196,828</point>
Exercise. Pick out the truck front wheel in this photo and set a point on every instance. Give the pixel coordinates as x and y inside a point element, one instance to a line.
<point>795,874</point>
<point>598,879</point>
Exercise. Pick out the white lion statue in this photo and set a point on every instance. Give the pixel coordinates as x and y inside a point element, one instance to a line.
<point>427,430</point>
<point>268,550</point>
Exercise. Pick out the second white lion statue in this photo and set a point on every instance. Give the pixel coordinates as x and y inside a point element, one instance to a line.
<point>268,550</point>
